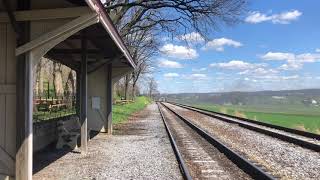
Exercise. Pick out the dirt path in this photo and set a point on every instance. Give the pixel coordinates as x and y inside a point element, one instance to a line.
<point>139,149</point>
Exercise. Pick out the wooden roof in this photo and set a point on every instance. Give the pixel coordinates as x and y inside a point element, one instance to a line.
<point>104,44</point>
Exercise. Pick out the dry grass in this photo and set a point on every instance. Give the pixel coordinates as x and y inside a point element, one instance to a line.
<point>240,114</point>
<point>300,127</point>
<point>223,110</point>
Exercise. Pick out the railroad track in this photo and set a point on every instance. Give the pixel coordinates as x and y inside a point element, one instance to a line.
<point>301,138</point>
<point>276,157</point>
<point>201,156</point>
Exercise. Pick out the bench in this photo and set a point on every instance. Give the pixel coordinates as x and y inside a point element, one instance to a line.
<point>69,132</point>
<point>50,104</point>
<point>56,107</point>
<point>122,102</point>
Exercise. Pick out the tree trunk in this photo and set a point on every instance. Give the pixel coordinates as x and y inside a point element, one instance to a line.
<point>57,79</point>
<point>70,88</point>
<point>40,77</point>
<point>134,90</point>
<point>126,87</point>
<point>70,84</point>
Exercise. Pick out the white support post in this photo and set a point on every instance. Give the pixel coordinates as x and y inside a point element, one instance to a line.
<point>108,123</point>
<point>84,100</point>
<point>24,118</point>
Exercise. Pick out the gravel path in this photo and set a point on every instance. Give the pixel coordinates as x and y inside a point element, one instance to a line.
<point>282,159</point>
<point>139,149</point>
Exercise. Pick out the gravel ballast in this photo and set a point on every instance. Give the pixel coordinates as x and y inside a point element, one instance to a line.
<point>311,140</point>
<point>139,149</point>
<point>281,159</point>
<point>203,160</point>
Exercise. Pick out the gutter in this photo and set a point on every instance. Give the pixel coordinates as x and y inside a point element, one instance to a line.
<point>104,18</point>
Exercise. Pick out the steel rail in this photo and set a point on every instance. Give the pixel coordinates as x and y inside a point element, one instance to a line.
<point>248,167</point>
<point>296,141</point>
<point>182,165</point>
<point>289,130</point>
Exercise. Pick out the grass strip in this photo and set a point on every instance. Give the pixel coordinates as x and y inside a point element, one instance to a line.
<point>120,113</point>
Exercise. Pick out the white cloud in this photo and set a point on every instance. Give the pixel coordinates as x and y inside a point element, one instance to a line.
<point>282,18</point>
<point>289,77</point>
<point>219,44</point>
<point>199,70</point>
<point>258,72</point>
<point>193,37</point>
<point>273,78</point>
<point>308,57</point>
<point>169,64</point>
<point>196,76</point>
<point>291,65</point>
<point>171,75</point>
<point>278,56</point>
<point>257,17</point>
<point>180,52</point>
<point>236,65</point>
<point>294,61</point>
<point>286,17</point>
<point>318,50</point>
<point>305,57</point>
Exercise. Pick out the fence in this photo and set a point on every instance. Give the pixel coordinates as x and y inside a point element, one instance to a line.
<point>54,107</point>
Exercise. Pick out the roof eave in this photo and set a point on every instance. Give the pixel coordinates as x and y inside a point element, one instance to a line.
<point>105,20</point>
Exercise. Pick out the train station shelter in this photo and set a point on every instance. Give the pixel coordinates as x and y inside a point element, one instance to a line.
<point>76,33</point>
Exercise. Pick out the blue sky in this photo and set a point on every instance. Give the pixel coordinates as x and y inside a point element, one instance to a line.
<point>276,47</point>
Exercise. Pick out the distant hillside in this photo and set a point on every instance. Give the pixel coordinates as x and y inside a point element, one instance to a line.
<point>306,97</point>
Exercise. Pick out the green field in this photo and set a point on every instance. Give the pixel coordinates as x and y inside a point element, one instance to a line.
<point>302,118</point>
<point>120,113</point>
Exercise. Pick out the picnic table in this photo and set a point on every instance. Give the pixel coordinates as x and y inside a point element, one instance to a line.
<point>122,102</point>
<point>50,104</point>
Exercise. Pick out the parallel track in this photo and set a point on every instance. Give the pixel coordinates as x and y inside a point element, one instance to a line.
<point>246,123</point>
<point>248,167</point>
<point>182,165</point>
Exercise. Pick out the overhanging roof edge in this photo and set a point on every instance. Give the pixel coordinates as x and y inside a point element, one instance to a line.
<point>104,18</point>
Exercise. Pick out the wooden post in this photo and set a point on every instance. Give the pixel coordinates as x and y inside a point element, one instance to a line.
<point>83,101</point>
<point>108,122</point>
<point>24,118</point>
<point>24,100</point>
<point>78,95</point>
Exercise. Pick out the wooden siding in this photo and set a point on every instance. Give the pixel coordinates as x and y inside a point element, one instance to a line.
<point>7,94</point>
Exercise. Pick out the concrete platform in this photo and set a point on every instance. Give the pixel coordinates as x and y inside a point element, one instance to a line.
<point>139,149</point>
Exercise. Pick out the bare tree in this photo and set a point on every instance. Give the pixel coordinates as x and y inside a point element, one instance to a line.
<point>70,83</point>
<point>152,87</point>
<point>169,15</point>
<point>140,22</point>
<point>57,79</point>
<point>144,47</point>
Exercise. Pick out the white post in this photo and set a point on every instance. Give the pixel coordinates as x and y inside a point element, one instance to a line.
<point>108,125</point>
<point>84,100</point>
<point>24,118</point>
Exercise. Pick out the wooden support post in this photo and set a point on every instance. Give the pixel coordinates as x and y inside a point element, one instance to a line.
<point>78,95</point>
<point>108,125</point>
<point>83,101</point>
<point>24,90</point>
<point>24,118</point>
